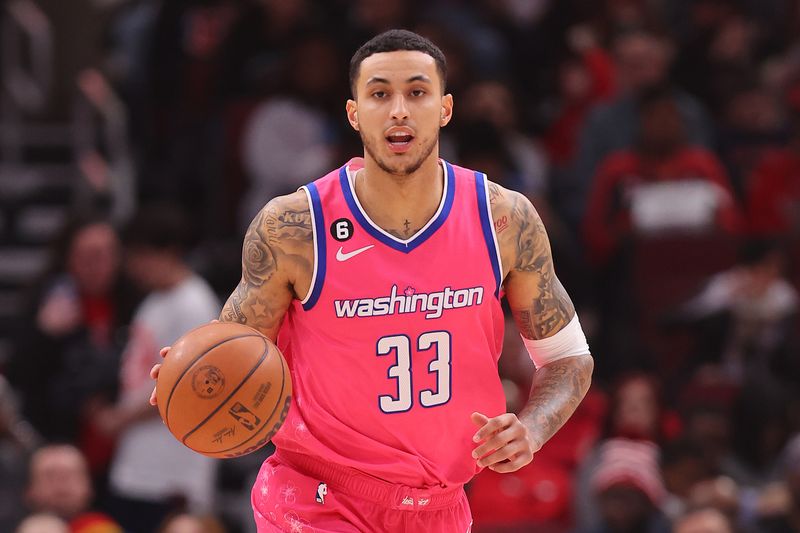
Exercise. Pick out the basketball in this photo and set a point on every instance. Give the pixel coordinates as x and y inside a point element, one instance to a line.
<point>224,390</point>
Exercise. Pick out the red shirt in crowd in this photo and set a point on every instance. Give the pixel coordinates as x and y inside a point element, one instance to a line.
<point>624,174</point>
<point>773,205</point>
<point>561,138</point>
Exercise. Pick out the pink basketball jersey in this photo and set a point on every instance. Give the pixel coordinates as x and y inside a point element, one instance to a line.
<point>397,342</point>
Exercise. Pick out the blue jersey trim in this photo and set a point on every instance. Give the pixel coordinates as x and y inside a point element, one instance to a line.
<point>385,239</point>
<point>321,237</point>
<point>486,225</point>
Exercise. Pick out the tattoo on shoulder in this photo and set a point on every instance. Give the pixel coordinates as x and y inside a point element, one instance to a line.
<point>495,192</point>
<point>258,258</point>
<point>295,218</point>
<point>287,223</point>
<point>275,237</point>
<point>552,308</point>
<point>501,218</point>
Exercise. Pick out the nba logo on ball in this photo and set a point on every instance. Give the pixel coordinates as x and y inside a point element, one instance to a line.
<point>244,416</point>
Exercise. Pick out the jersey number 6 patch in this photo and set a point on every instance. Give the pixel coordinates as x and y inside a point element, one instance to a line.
<point>401,371</point>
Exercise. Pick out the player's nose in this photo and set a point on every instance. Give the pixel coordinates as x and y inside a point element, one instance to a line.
<point>399,108</point>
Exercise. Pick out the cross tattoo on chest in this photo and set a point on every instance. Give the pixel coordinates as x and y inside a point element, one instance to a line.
<point>407,224</point>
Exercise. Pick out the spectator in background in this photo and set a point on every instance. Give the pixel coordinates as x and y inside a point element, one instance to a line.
<point>628,489</point>
<point>585,78</point>
<point>368,18</point>
<point>662,184</point>
<point>489,35</point>
<point>719,57</point>
<point>751,123</point>
<point>126,62</point>
<point>637,410</point>
<point>493,101</point>
<point>255,52</point>
<point>181,144</point>
<point>773,196</point>
<point>481,143</point>
<point>59,483</point>
<point>68,359</point>
<point>745,317</point>
<point>705,404</point>
<point>623,15</point>
<point>255,61</point>
<point>76,30</point>
<point>636,414</point>
<point>696,21</point>
<point>684,465</point>
<point>42,523</point>
<point>150,468</point>
<point>705,520</point>
<point>762,425</point>
<point>788,520</point>
<point>17,441</point>
<point>643,60</point>
<point>292,136</point>
<point>188,523</point>
<point>721,493</point>
<point>449,35</point>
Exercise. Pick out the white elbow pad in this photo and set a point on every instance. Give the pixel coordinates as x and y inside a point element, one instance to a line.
<point>568,342</point>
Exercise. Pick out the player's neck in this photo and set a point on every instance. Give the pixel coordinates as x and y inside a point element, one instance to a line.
<point>400,204</point>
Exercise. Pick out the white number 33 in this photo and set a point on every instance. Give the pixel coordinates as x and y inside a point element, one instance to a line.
<point>401,371</point>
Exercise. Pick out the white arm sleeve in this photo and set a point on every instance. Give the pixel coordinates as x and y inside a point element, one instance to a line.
<point>568,342</point>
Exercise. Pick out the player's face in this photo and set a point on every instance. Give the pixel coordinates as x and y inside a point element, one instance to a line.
<point>399,109</point>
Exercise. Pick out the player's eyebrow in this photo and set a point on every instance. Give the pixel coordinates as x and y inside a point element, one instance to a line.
<point>376,79</point>
<point>419,77</point>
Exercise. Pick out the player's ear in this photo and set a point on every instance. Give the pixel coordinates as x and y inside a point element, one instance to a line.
<point>447,110</point>
<point>352,113</point>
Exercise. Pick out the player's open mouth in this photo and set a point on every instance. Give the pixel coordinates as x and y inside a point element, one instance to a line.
<point>399,141</point>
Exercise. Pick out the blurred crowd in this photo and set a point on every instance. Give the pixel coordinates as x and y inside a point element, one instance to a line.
<point>659,140</point>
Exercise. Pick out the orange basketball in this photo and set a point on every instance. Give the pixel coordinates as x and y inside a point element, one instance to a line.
<point>224,390</point>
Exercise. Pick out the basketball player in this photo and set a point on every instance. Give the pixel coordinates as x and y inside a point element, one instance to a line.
<point>381,283</point>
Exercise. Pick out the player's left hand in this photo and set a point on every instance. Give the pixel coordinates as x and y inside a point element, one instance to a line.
<point>506,444</point>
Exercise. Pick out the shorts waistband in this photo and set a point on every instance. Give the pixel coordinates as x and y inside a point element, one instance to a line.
<point>370,488</point>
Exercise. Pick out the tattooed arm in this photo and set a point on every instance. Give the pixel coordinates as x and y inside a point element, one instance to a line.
<point>541,308</point>
<point>277,265</point>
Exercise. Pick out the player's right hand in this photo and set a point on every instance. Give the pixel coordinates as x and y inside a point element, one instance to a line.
<point>154,373</point>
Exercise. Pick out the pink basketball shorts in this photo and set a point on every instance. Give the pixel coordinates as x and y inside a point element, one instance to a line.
<point>300,494</point>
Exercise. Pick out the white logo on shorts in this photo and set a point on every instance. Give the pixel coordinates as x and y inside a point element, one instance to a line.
<point>322,490</point>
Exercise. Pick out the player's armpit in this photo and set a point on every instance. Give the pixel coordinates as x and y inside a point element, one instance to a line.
<point>277,265</point>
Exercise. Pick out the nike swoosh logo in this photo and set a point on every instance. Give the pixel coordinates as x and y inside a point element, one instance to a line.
<point>340,256</point>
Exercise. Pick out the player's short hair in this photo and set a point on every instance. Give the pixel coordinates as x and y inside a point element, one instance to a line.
<point>393,41</point>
